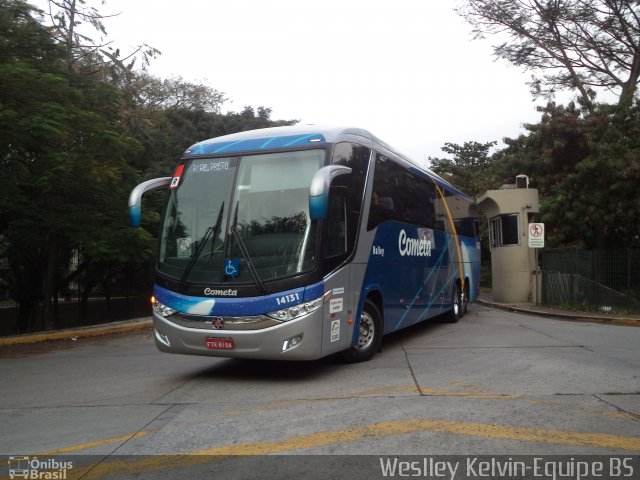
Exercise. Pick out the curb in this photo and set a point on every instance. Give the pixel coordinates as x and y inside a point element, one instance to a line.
<point>79,332</point>
<point>579,317</point>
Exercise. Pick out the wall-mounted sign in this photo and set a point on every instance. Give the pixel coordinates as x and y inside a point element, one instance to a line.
<point>536,235</point>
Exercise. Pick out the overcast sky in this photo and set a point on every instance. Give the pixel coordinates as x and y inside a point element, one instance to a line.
<point>408,70</point>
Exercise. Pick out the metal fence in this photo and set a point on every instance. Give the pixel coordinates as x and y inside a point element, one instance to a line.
<point>99,295</point>
<point>605,279</point>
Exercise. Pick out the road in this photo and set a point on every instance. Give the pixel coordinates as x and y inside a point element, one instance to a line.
<point>496,383</point>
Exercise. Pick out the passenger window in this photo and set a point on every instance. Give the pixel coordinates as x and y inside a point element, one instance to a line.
<point>402,195</point>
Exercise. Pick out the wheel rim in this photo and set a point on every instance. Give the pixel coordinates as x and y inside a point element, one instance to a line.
<point>367,331</point>
<point>456,303</point>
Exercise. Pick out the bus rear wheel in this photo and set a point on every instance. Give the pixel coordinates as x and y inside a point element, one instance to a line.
<point>369,337</point>
<point>465,298</point>
<point>456,308</point>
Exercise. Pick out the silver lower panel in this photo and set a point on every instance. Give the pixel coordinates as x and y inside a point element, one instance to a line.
<point>265,343</point>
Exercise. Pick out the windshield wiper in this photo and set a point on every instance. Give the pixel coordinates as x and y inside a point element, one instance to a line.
<point>245,253</point>
<point>212,232</point>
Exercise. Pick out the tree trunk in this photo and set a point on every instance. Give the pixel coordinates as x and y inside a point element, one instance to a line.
<point>628,92</point>
<point>69,39</point>
<point>49,283</point>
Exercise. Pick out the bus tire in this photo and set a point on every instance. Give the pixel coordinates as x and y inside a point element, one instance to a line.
<point>456,308</point>
<point>465,298</point>
<point>370,336</point>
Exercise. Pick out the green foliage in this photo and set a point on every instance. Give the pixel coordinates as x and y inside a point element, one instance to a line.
<point>468,168</point>
<point>173,130</point>
<point>65,176</point>
<point>74,140</point>
<point>587,169</point>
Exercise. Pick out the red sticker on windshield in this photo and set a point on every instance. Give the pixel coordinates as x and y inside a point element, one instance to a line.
<point>175,181</point>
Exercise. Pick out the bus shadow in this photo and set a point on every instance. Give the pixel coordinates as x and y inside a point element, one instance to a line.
<point>437,325</point>
<point>293,371</point>
<point>269,370</point>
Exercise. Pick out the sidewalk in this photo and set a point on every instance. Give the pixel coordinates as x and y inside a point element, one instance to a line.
<point>529,308</point>
<point>79,332</point>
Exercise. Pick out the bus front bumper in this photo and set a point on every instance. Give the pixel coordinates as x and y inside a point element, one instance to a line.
<point>298,339</point>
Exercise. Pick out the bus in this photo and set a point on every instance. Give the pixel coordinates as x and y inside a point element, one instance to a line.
<point>299,242</point>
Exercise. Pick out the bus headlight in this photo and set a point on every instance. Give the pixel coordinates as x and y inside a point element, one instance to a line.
<point>161,309</point>
<point>296,311</point>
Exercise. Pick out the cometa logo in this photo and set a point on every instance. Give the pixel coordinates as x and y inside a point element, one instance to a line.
<point>221,293</point>
<point>413,247</point>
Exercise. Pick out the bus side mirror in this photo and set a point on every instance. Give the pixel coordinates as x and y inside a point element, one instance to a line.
<point>135,197</point>
<point>319,190</point>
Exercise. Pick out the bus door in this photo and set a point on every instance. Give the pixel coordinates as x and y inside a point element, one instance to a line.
<point>339,306</point>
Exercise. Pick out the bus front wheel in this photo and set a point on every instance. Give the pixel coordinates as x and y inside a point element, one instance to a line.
<point>369,337</point>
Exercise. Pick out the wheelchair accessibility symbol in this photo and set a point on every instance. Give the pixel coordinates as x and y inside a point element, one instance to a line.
<point>231,267</point>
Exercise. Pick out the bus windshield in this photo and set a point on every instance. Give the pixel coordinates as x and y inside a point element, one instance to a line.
<point>264,198</point>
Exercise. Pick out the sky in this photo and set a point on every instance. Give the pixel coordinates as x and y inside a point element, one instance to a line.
<point>407,70</point>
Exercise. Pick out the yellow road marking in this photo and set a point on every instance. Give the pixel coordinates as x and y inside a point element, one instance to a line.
<point>367,433</point>
<point>98,443</point>
<point>388,390</point>
<point>474,388</point>
<point>472,391</point>
<point>468,391</point>
<point>385,429</point>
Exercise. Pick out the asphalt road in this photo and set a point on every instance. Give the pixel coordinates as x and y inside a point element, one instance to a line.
<point>497,383</point>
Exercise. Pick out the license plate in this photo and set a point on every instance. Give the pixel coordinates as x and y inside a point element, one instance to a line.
<point>219,343</point>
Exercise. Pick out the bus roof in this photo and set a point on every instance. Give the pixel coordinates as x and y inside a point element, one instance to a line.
<point>302,135</point>
<point>275,137</point>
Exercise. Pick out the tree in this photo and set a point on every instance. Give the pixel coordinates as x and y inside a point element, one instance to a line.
<point>84,54</point>
<point>171,130</point>
<point>247,119</point>
<point>587,169</point>
<point>64,176</point>
<point>73,142</point>
<point>149,101</point>
<point>154,93</point>
<point>581,45</point>
<point>468,169</point>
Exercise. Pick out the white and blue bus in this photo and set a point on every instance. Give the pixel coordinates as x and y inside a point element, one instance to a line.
<point>299,242</point>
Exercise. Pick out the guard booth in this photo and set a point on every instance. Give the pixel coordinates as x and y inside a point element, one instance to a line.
<point>509,212</point>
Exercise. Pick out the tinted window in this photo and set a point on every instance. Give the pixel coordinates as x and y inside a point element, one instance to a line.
<point>345,198</point>
<point>402,195</point>
<point>467,227</point>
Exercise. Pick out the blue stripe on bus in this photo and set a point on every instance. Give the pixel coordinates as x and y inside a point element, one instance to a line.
<point>255,144</point>
<point>300,140</point>
<point>236,307</point>
<point>432,270</point>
